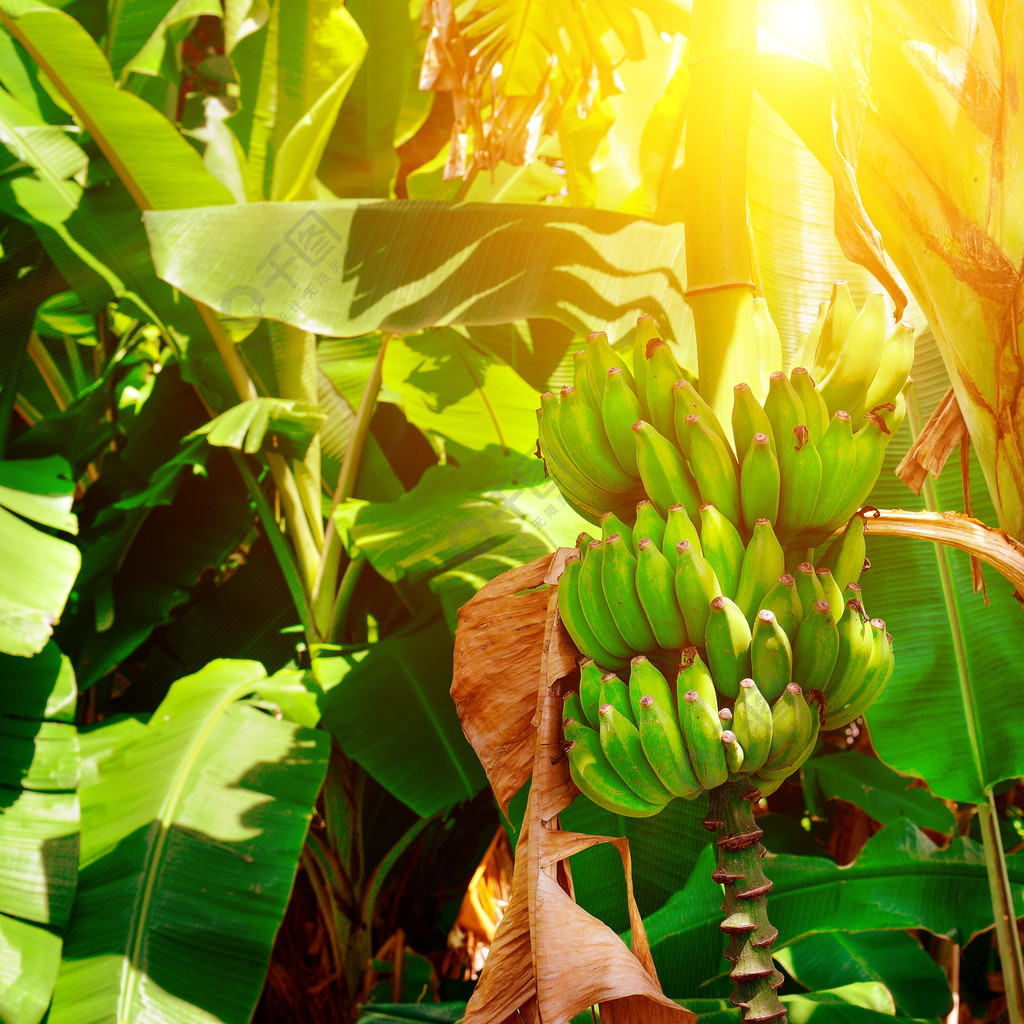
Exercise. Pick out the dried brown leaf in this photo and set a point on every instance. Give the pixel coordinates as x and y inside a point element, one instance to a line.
<point>944,430</point>
<point>550,958</point>
<point>499,645</point>
<point>956,530</point>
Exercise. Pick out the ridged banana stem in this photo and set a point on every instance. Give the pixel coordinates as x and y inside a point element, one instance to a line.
<point>745,908</point>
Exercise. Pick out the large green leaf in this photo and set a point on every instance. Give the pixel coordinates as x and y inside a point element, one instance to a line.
<point>450,387</point>
<point>159,168</point>
<point>893,958</point>
<point>461,526</point>
<point>191,830</point>
<point>38,568</point>
<point>901,879</point>
<point>349,268</point>
<point>874,788</point>
<point>359,159</point>
<point>950,715</point>
<point>389,709</point>
<point>38,827</point>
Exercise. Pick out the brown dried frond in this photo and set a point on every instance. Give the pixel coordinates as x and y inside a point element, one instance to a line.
<point>944,430</point>
<point>512,65</point>
<point>550,959</point>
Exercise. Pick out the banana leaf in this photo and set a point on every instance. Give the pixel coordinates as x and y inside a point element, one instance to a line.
<point>389,709</point>
<point>192,826</point>
<point>893,958</point>
<point>39,821</point>
<point>901,879</point>
<point>39,569</point>
<point>347,268</point>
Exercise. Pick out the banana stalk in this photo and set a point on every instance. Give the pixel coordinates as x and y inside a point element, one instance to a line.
<point>719,287</point>
<point>745,909</point>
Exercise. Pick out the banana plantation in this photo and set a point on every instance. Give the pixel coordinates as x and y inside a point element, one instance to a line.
<point>511,511</point>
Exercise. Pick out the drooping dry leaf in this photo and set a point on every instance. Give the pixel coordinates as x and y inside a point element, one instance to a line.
<point>498,650</point>
<point>944,430</point>
<point>956,530</point>
<point>551,959</point>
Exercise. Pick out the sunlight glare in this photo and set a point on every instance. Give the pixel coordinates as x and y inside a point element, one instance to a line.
<point>797,24</point>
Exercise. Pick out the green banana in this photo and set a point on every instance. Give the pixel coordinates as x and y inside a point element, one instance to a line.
<point>808,343</point>
<point>615,692</point>
<point>760,482</point>
<point>865,654</point>
<point>583,542</point>
<point>767,342</point>
<point>618,580</point>
<point>572,707</point>
<point>771,655</point>
<point>576,488</point>
<point>583,379</point>
<point>620,409</point>
<point>800,470</point>
<point>665,476</point>
<point>645,678</point>
<point>870,442</point>
<point>570,611</point>
<point>727,639</point>
<point>784,410</point>
<point>784,601</point>
<point>797,757</point>
<point>763,563</point>
<point>722,546</point>
<point>620,741</point>
<point>655,584</point>
<point>679,527</point>
<point>831,590</point>
<point>714,466</point>
<point>595,606</point>
<point>646,335</point>
<point>815,410</point>
<point>845,384</point>
<point>687,401</point>
<point>662,371</point>
<point>792,725</point>
<point>748,419</point>
<point>702,731</point>
<point>725,717</point>
<point>893,370</point>
<point>611,524</point>
<point>648,522</point>
<point>855,593</point>
<point>694,674</point>
<point>808,586</point>
<point>664,748</point>
<point>838,452</point>
<point>602,358</point>
<point>582,432</point>
<point>696,585</point>
<point>752,724</point>
<point>733,752</point>
<point>845,555</point>
<point>816,648</point>
<point>839,318</point>
<point>596,779</point>
<point>590,689</point>
<point>855,649</point>
<point>876,678</point>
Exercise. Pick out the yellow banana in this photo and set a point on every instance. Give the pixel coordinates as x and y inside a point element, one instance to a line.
<point>846,383</point>
<point>893,370</point>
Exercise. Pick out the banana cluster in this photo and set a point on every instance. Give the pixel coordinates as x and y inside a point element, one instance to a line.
<point>805,459</point>
<point>769,656</point>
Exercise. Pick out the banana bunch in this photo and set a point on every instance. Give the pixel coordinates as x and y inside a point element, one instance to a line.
<point>769,656</point>
<point>805,459</point>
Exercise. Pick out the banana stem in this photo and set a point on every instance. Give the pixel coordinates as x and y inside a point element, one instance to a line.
<point>719,289</point>
<point>1007,937</point>
<point>745,908</point>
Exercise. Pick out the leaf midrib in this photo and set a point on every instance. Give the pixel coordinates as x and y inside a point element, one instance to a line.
<point>132,971</point>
